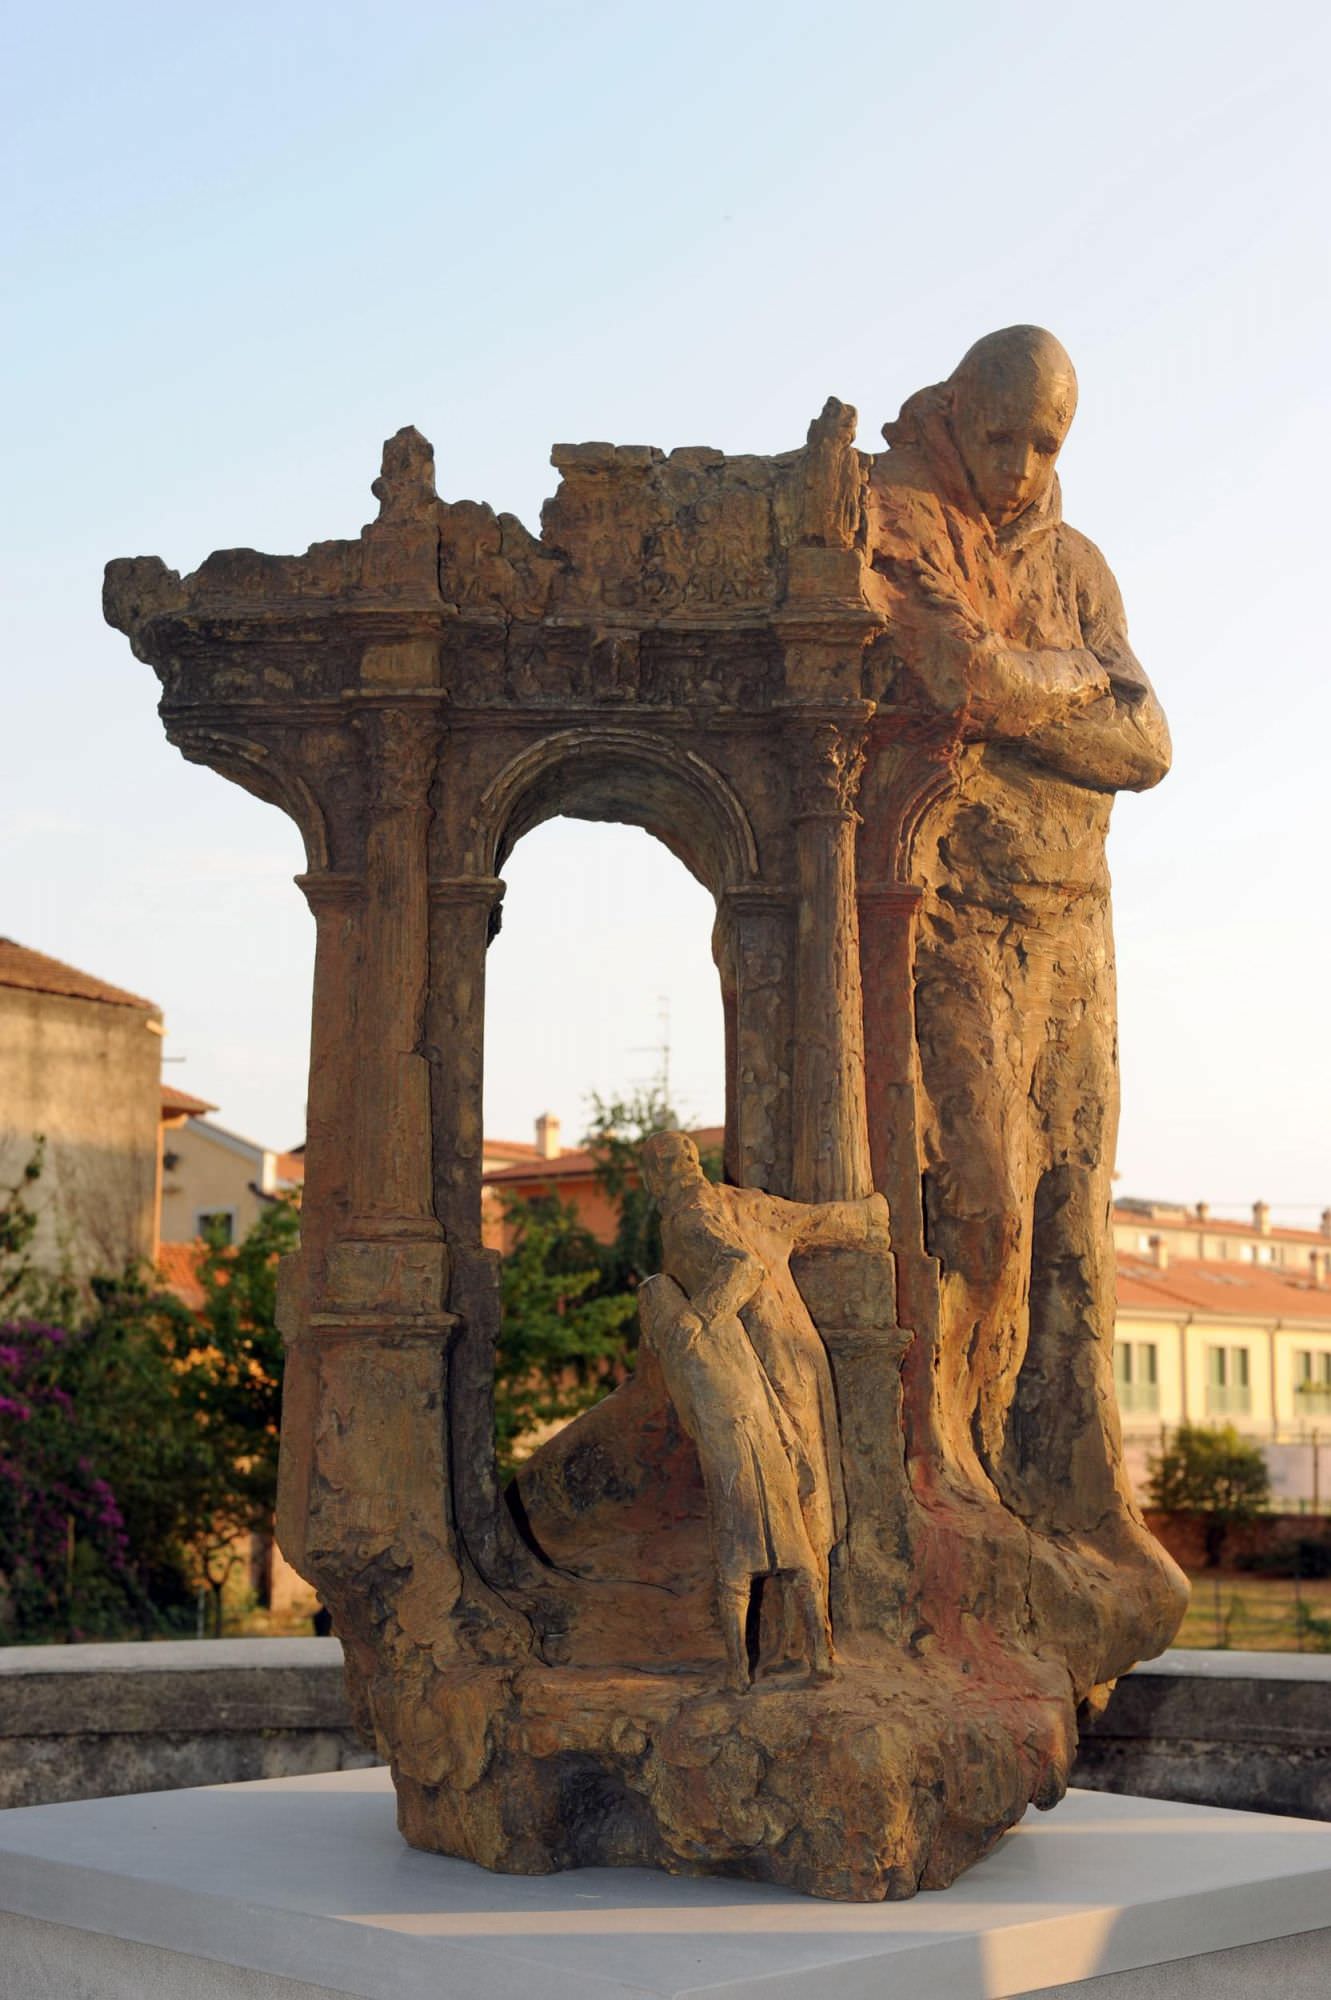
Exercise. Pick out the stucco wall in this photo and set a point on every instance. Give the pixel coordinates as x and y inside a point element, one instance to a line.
<point>86,1074</point>
<point>213,1170</point>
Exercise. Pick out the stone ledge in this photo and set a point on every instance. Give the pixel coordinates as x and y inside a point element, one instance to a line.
<point>81,1722</point>
<point>238,1684</point>
<point>1245,1730</point>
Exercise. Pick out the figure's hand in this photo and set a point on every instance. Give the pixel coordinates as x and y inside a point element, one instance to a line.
<point>690,1325</point>
<point>880,1219</point>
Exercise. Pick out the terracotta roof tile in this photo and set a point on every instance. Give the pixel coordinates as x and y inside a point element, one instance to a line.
<point>37,973</point>
<point>579,1162</point>
<point>511,1149</point>
<point>177,1102</point>
<point>1234,1290</point>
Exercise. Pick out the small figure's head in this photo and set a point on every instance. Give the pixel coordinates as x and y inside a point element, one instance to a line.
<point>670,1164</point>
<point>1013,395</point>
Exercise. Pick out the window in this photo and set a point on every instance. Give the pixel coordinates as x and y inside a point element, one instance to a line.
<point>216,1225</point>
<point>1136,1375</point>
<point>1312,1383</point>
<point>1228,1382</point>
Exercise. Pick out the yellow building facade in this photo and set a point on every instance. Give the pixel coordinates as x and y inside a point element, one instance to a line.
<point>1227,1323</point>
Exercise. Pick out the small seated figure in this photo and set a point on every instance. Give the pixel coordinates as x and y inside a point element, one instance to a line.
<point>749,1377</point>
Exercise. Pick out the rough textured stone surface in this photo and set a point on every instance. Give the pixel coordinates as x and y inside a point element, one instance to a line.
<point>879,706</point>
<point>1246,1730</point>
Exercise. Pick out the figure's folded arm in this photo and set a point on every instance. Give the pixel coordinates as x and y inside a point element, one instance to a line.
<point>1119,741</point>
<point>842,1225</point>
<point>1115,745</point>
<point>1086,712</point>
<point>734,1275</point>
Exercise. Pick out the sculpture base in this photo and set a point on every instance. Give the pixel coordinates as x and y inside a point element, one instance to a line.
<point>299,1889</point>
<point>891,1777</point>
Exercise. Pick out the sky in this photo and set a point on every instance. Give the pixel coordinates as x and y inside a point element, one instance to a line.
<point>243,245</point>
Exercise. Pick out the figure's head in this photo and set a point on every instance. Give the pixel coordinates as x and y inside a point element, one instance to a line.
<point>669,1163</point>
<point>1013,398</point>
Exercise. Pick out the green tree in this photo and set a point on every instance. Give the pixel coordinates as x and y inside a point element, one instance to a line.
<point>228,1360</point>
<point>1213,1474</point>
<point>569,1327</point>
<point>563,1335</point>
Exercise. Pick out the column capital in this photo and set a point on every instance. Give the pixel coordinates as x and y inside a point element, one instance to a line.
<point>403,743</point>
<point>328,889</point>
<point>902,896</point>
<point>473,889</point>
<point>829,765</point>
<point>746,899</point>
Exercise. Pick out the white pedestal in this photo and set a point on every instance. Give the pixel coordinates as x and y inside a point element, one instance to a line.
<point>300,1889</point>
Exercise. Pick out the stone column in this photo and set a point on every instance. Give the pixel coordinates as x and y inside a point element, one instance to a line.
<point>831,1139</point>
<point>758,925</point>
<point>336,901</point>
<point>391,1261</point>
<point>851,1295</point>
<point>887,956</point>
<point>463,912</point>
<point>365,1477</point>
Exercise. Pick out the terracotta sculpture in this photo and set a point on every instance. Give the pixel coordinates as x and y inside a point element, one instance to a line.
<point>816,1594</point>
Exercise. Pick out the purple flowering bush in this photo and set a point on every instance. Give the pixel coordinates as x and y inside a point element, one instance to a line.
<point>138,1437</point>
<point>62,1533</point>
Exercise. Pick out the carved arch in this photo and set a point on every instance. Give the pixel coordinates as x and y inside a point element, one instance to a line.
<point>257,770</point>
<point>609,773</point>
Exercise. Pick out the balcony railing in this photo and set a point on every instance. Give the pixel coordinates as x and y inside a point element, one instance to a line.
<point>1313,1399</point>
<point>1137,1398</point>
<point>1228,1399</point>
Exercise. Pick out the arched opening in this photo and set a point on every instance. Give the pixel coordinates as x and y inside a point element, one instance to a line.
<point>622,774</point>
<point>601,979</point>
<point>600,990</point>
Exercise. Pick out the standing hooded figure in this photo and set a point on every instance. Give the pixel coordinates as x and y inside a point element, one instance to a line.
<point>1007,630</point>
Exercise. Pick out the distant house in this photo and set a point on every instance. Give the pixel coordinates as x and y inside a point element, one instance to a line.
<point>1226,1322</point>
<point>1220,1320</point>
<point>80,1066</point>
<point>215,1180</point>
<point>525,1173</point>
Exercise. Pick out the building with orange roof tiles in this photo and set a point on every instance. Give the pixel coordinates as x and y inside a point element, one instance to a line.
<point>1227,1322</point>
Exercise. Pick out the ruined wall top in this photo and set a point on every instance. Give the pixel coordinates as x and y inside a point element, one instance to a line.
<point>635,542</point>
